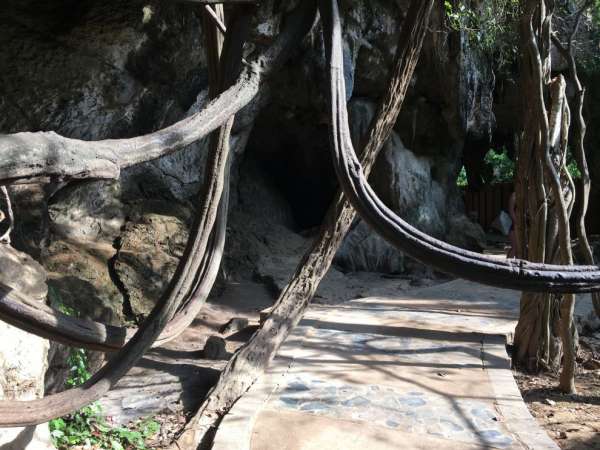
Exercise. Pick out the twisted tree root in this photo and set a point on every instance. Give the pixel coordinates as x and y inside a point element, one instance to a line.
<point>249,362</point>
<point>51,324</point>
<point>512,274</point>
<point>182,285</point>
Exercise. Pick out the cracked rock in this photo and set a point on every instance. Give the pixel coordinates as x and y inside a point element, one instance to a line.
<point>23,356</point>
<point>234,325</point>
<point>151,245</point>
<point>215,348</point>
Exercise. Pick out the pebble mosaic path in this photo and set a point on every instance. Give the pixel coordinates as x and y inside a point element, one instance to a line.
<point>428,369</point>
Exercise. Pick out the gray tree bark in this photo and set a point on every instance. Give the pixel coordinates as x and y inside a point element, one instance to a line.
<point>545,196</point>
<point>251,360</point>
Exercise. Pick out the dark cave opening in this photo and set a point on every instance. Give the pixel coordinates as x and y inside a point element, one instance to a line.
<point>294,158</point>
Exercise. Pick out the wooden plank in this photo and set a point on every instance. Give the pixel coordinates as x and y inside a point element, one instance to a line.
<point>482,207</point>
<point>497,201</point>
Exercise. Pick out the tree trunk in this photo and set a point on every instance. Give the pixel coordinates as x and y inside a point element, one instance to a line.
<point>545,197</point>
<point>578,132</point>
<point>181,285</point>
<point>251,360</point>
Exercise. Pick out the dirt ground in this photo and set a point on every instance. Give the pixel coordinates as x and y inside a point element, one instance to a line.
<point>242,300</point>
<point>573,421</point>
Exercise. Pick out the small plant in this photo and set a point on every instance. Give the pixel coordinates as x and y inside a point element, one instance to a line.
<point>461,180</point>
<point>573,169</point>
<point>57,302</point>
<point>88,427</point>
<point>500,169</point>
<point>503,168</point>
<point>490,28</point>
<point>78,367</point>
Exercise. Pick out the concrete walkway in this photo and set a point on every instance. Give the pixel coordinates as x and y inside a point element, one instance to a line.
<point>424,370</point>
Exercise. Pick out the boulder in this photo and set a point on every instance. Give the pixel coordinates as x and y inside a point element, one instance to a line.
<point>234,325</point>
<point>465,233</point>
<point>150,247</point>
<point>88,212</point>
<point>215,348</point>
<point>23,356</point>
<point>365,250</point>
<point>403,181</point>
<point>80,277</point>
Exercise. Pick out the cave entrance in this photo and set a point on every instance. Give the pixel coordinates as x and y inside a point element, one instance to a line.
<point>293,155</point>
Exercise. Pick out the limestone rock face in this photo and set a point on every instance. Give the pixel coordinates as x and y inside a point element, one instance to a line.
<point>80,277</point>
<point>84,220</point>
<point>23,356</point>
<point>89,211</point>
<point>464,233</point>
<point>365,250</point>
<point>176,176</point>
<point>21,273</point>
<point>151,246</point>
<point>406,183</point>
<point>98,70</point>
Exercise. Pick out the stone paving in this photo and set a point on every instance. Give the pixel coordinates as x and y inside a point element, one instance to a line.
<point>412,411</point>
<point>426,369</point>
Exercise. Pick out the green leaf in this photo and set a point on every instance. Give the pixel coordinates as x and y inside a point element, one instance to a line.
<point>57,424</point>
<point>57,434</point>
<point>116,445</point>
<point>150,428</point>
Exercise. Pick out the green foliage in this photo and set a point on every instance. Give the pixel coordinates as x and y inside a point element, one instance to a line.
<point>490,27</point>
<point>585,42</point>
<point>57,302</point>
<point>88,427</point>
<point>77,359</point>
<point>499,169</point>
<point>572,167</point>
<point>78,367</point>
<point>596,13</point>
<point>461,180</point>
<point>503,168</point>
<point>459,17</point>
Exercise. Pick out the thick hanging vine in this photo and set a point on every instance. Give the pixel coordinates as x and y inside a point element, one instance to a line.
<point>24,157</point>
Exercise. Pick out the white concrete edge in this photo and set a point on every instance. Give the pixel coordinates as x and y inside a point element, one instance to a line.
<point>509,402</point>
<point>235,430</point>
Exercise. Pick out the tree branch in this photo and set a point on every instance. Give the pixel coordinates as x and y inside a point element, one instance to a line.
<point>43,156</point>
<point>513,274</point>
<point>578,137</point>
<point>47,155</point>
<point>181,286</point>
<point>48,323</point>
<point>7,216</point>
<point>217,19</point>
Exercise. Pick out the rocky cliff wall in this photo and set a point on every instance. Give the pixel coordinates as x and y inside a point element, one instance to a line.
<point>96,70</point>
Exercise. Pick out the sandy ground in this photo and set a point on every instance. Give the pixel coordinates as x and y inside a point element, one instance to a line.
<point>573,421</point>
